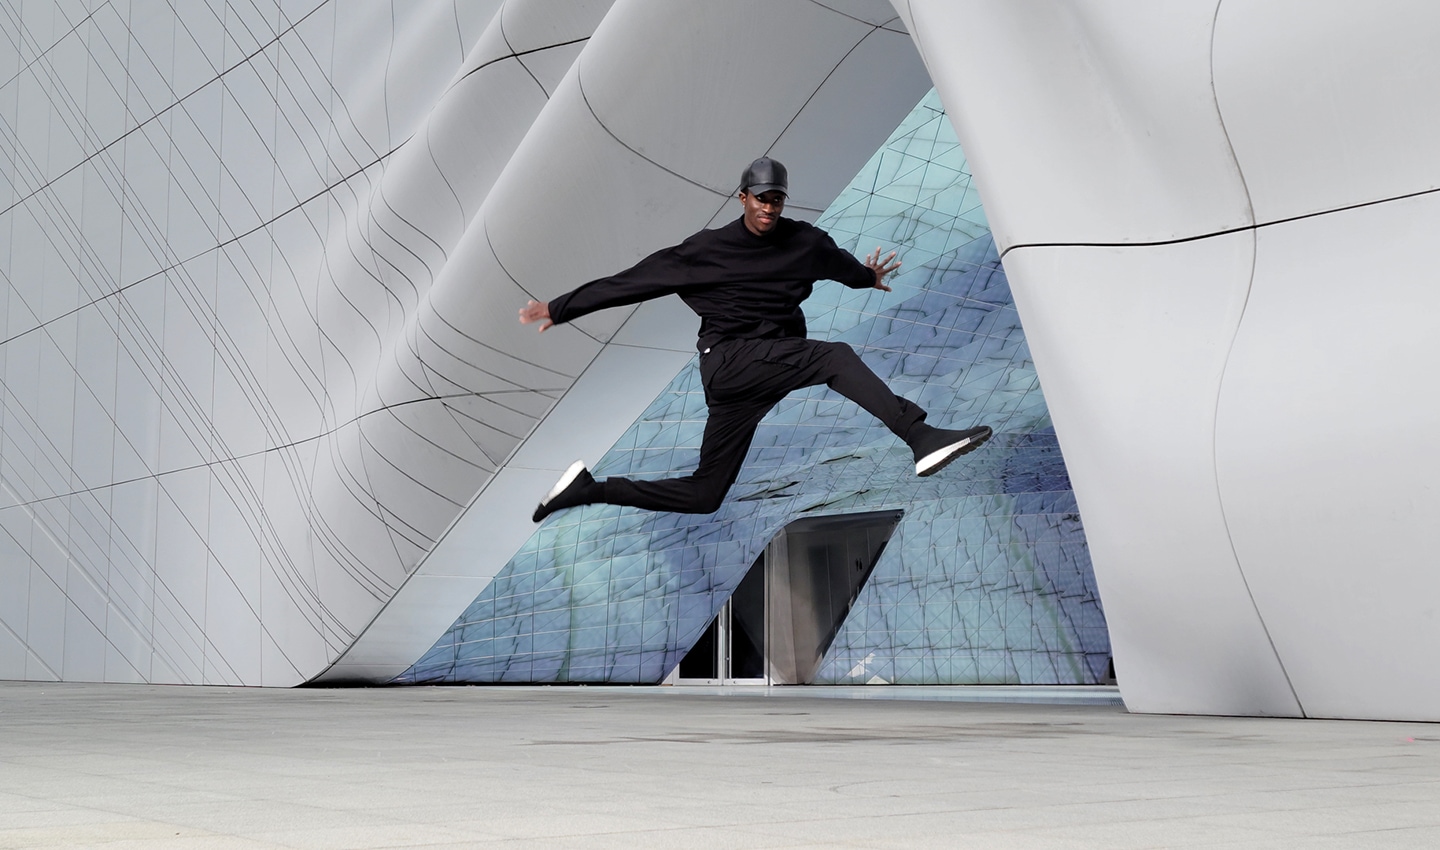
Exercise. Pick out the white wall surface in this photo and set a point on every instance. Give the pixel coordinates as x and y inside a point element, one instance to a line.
<point>1236,354</point>
<point>261,263</point>
<point>221,223</point>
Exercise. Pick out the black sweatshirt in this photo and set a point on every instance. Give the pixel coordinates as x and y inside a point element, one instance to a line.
<point>741,285</point>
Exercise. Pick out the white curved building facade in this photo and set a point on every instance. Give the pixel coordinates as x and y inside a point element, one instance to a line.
<point>268,415</point>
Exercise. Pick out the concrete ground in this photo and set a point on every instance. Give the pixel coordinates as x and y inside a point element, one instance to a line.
<point>118,766</point>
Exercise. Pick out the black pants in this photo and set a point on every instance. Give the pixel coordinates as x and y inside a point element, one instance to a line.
<point>743,380</point>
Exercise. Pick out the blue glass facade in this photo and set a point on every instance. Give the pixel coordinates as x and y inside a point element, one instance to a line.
<point>987,579</point>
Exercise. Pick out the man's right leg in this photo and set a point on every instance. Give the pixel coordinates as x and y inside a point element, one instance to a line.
<point>728,432</point>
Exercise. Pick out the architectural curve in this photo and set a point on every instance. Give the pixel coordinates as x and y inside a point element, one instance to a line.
<point>1132,340</point>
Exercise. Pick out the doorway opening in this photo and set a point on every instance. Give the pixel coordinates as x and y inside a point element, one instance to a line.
<point>777,625</point>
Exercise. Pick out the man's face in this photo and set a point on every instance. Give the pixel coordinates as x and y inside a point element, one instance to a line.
<point>762,211</point>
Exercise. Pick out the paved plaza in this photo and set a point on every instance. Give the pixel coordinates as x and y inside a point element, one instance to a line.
<point>118,766</point>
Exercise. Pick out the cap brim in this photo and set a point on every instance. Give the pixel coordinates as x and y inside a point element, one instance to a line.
<point>762,188</point>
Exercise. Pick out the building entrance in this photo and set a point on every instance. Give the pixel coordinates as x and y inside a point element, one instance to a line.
<point>777,625</point>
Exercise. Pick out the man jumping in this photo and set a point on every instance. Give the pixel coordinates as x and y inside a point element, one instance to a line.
<point>746,281</point>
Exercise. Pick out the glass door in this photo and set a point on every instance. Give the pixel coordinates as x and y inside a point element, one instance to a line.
<point>731,651</point>
<point>777,625</point>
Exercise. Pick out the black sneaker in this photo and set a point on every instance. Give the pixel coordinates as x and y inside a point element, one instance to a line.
<point>935,450</point>
<point>569,492</point>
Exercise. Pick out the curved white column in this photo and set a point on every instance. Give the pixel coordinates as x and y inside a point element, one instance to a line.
<point>1251,558</point>
<point>1103,110</point>
<point>1326,456</point>
<point>1338,111</point>
<point>1132,345</point>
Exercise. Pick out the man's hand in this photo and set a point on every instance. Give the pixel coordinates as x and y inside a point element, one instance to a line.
<point>538,311</point>
<point>881,268</point>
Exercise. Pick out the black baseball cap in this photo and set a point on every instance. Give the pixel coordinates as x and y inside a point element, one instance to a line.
<point>765,175</point>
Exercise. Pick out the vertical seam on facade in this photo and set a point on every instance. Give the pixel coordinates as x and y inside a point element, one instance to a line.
<point>1225,369</point>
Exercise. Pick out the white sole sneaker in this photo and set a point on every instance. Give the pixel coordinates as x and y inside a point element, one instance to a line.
<point>565,481</point>
<point>940,458</point>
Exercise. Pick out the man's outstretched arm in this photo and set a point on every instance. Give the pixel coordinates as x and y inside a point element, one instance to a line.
<point>840,265</point>
<point>662,273</point>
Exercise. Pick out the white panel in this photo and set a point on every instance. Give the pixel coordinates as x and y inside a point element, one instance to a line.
<point>248,110</point>
<point>232,631</point>
<point>65,76</point>
<point>1328,103</point>
<point>22,385</point>
<point>665,323</point>
<point>188,372</point>
<point>84,648</point>
<point>199,29</point>
<point>406,89</point>
<point>1328,463</point>
<point>32,129</point>
<point>26,272</point>
<point>191,216</point>
<point>239,406</point>
<point>1131,345</point>
<point>278,670</point>
<point>549,66</point>
<point>180,559</point>
<point>118,668</point>
<point>709,104</point>
<point>573,185</point>
<point>875,14</point>
<point>137,380</point>
<point>287,605</point>
<point>234,529</point>
<point>1090,122</point>
<point>532,24</point>
<point>55,413</point>
<point>45,539</point>
<point>884,73</point>
<point>127,657</point>
<point>12,654</point>
<point>133,515</point>
<point>473,17</point>
<point>85,586</point>
<point>45,635</point>
<point>496,104</point>
<point>93,450</point>
<point>100,221</point>
<point>15,567</point>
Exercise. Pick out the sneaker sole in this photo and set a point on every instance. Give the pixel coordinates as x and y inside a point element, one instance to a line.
<point>565,481</point>
<point>938,460</point>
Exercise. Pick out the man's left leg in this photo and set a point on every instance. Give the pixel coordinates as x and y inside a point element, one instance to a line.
<point>836,365</point>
